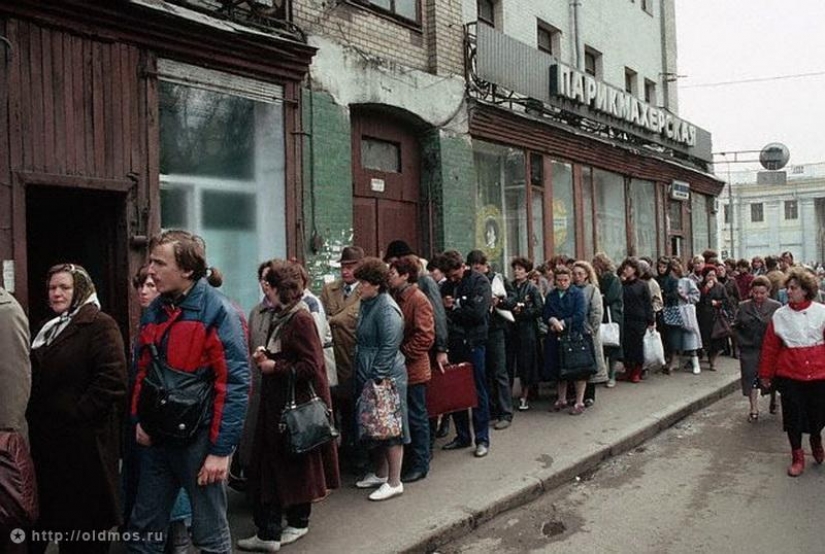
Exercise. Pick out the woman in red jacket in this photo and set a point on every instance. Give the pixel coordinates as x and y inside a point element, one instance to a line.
<point>793,359</point>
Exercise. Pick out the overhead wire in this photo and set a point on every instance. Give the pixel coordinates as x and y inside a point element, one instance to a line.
<point>754,80</point>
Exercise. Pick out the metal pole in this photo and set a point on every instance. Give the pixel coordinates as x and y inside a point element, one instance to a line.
<point>730,212</point>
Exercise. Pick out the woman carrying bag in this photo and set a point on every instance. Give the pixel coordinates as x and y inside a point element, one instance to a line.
<point>282,483</point>
<point>380,369</point>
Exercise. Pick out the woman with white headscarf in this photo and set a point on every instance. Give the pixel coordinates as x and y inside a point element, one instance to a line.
<point>78,394</point>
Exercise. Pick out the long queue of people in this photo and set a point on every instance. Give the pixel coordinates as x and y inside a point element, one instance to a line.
<point>203,398</point>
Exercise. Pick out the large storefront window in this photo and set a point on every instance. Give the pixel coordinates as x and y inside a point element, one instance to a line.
<point>643,202</point>
<point>587,210</point>
<point>610,214</point>
<point>501,221</point>
<point>222,174</point>
<point>564,210</point>
<point>700,221</point>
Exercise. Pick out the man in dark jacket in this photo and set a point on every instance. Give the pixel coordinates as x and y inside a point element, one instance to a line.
<point>467,298</point>
<point>498,381</point>
<point>195,329</point>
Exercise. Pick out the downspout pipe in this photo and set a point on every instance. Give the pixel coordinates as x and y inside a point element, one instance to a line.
<point>576,43</point>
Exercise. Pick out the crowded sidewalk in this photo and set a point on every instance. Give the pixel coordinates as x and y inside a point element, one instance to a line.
<point>540,451</point>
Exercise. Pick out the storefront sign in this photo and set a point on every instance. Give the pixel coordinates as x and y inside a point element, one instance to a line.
<point>584,89</point>
<point>680,190</point>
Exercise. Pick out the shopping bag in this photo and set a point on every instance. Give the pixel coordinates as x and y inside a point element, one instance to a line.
<point>654,352</point>
<point>672,316</point>
<point>609,332</point>
<point>379,411</point>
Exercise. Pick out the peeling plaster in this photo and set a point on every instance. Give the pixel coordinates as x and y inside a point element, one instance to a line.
<point>354,77</point>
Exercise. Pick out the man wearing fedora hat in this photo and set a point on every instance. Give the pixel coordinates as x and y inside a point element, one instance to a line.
<point>342,301</point>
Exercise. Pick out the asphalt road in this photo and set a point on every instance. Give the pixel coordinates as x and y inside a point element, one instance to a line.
<point>713,483</point>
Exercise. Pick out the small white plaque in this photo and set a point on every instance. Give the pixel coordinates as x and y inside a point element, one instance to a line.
<point>377,185</point>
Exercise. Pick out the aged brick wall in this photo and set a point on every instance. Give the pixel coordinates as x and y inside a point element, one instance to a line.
<point>434,45</point>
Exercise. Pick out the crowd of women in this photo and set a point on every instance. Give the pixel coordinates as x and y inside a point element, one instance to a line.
<point>763,312</point>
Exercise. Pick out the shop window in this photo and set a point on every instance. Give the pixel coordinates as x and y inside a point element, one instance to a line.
<point>501,212</point>
<point>548,39</point>
<point>791,209</point>
<point>675,216</point>
<point>611,216</point>
<point>757,212</point>
<point>222,170</point>
<point>700,222</point>
<point>487,11</point>
<point>537,206</point>
<point>564,210</point>
<point>406,9</point>
<point>643,203</point>
<point>587,211</point>
<point>381,155</point>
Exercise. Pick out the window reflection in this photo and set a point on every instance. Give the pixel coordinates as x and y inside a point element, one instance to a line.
<point>222,177</point>
<point>610,214</point>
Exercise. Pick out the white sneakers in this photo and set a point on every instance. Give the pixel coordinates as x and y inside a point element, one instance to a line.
<point>292,534</point>
<point>254,544</point>
<point>370,481</point>
<point>694,362</point>
<point>387,491</point>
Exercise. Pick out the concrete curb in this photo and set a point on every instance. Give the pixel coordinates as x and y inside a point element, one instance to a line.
<point>531,486</point>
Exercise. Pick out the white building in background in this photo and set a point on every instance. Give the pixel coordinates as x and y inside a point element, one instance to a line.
<point>762,213</point>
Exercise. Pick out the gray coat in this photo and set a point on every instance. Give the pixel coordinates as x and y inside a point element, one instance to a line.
<point>592,322</point>
<point>379,334</point>
<point>15,367</point>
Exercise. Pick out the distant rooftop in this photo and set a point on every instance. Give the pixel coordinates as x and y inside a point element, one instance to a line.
<point>794,172</point>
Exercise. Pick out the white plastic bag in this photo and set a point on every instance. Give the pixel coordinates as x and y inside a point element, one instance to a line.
<point>653,350</point>
<point>609,332</point>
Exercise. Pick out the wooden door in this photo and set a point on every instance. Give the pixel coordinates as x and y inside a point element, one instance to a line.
<point>386,172</point>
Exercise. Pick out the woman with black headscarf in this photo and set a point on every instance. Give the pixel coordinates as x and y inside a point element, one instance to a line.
<point>78,395</point>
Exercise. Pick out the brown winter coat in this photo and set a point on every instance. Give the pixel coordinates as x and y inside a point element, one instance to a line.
<point>343,318</point>
<point>78,395</point>
<point>419,333</point>
<point>275,474</point>
<point>15,368</point>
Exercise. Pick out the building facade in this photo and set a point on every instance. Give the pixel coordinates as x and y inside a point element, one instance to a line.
<point>289,129</point>
<point>577,142</point>
<point>772,212</point>
<point>119,118</point>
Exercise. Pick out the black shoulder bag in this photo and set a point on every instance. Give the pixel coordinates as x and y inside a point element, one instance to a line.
<point>173,404</point>
<point>306,426</point>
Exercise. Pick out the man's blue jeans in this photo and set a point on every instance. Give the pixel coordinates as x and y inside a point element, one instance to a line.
<point>164,470</point>
<point>419,447</point>
<point>481,413</point>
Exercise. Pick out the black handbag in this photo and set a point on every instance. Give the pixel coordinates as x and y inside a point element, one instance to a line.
<point>308,425</point>
<point>173,404</point>
<point>721,325</point>
<point>576,357</point>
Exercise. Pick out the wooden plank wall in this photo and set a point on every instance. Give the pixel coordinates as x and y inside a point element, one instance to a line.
<point>78,104</point>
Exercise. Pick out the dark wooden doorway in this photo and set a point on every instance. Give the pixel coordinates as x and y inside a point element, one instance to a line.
<point>82,226</point>
<point>386,174</point>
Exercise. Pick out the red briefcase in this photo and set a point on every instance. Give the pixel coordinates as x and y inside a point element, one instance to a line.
<point>451,391</point>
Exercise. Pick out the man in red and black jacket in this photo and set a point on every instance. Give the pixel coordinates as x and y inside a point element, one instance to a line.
<point>196,329</point>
